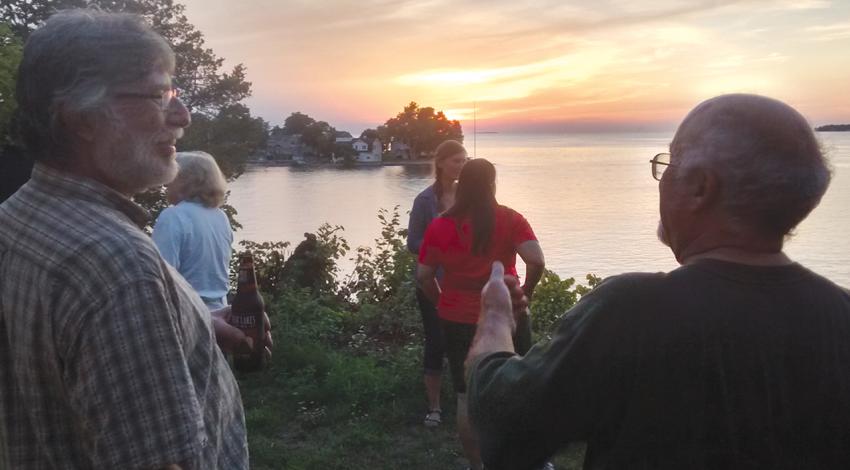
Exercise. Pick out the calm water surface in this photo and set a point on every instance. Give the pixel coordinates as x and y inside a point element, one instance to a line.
<point>590,199</point>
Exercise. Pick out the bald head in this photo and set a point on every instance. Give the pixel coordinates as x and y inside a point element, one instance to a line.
<point>769,165</point>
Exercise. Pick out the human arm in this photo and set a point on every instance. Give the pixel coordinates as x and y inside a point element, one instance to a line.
<point>526,408</point>
<point>532,255</point>
<point>502,300</point>
<point>426,276</point>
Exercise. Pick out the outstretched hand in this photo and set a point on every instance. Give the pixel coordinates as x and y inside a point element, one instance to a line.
<point>503,296</point>
<point>502,303</point>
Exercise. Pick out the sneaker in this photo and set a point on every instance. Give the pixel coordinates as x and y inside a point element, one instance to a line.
<point>433,418</point>
<point>548,466</point>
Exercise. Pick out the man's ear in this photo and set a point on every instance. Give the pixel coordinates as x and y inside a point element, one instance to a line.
<point>82,125</point>
<point>705,188</point>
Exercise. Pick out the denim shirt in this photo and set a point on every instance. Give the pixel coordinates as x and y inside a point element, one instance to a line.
<point>425,209</point>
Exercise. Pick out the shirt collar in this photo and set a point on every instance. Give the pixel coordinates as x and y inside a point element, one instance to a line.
<point>70,186</point>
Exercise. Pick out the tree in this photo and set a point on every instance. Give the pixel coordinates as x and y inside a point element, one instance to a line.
<point>318,135</point>
<point>231,136</point>
<point>345,151</point>
<point>222,126</point>
<point>10,56</point>
<point>23,16</point>
<point>297,123</point>
<point>205,88</point>
<point>321,137</point>
<point>422,129</point>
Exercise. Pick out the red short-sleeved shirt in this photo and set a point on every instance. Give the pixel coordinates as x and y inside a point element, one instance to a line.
<point>464,273</point>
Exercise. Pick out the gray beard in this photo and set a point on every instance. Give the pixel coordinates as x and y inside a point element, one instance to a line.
<point>135,171</point>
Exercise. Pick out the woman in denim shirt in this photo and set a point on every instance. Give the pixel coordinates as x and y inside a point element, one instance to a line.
<point>449,159</point>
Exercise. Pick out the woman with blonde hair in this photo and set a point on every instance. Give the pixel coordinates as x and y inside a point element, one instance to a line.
<point>449,158</point>
<point>194,235</point>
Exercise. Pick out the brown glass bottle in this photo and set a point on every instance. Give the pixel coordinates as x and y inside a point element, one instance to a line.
<point>247,314</point>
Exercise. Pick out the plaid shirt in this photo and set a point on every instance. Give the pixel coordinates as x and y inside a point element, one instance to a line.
<point>108,356</point>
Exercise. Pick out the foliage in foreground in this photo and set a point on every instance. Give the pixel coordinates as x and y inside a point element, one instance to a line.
<point>10,57</point>
<point>344,389</point>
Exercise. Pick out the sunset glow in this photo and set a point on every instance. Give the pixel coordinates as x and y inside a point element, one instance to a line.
<point>532,65</point>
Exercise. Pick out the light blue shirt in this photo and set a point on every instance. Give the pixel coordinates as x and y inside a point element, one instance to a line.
<point>196,241</point>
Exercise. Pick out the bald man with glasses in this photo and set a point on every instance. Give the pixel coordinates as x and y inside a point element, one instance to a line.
<point>740,358</point>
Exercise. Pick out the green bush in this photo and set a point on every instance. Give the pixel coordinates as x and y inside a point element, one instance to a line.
<point>552,298</point>
<point>383,272</point>
<point>343,389</point>
<point>269,259</point>
<point>381,287</point>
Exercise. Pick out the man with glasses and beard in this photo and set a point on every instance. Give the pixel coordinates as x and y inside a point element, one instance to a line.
<point>109,357</point>
<point>737,359</point>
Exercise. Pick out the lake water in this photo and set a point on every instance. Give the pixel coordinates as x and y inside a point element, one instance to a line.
<point>589,198</point>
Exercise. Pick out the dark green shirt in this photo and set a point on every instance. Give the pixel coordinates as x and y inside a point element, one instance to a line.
<point>711,366</point>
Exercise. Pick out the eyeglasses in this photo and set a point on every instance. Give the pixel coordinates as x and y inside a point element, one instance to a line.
<point>163,99</point>
<point>660,163</point>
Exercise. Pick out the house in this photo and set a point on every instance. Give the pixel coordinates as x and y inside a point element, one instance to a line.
<point>286,147</point>
<point>360,145</point>
<point>343,137</point>
<point>368,152</point>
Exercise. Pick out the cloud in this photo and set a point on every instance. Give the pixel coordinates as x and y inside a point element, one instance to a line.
<point>547,59</point>
<point>743,60</point>
<point>832,32</point>
<point>804,4</point>
<point>615,14</point>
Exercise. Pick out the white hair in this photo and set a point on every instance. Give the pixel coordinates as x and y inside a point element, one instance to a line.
<point>769,163</point>
<point>199,179</point>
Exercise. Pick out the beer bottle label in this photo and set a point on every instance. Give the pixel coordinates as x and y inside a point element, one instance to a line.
<point>245,322</point>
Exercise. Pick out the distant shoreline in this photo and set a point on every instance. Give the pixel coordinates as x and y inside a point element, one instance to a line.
<point>272,163</point>
<point>833,128</point>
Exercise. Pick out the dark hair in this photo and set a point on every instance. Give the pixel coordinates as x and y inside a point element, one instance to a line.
<point>476,200</point>
<point>71,63</point>
<point>448,148</point>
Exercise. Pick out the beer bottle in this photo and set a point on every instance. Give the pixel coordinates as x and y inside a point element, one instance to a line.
<point>247,315</point>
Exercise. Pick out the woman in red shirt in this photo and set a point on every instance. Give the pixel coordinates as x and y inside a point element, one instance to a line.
<point>464,242</point>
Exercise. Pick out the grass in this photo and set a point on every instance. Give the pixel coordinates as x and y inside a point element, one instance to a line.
<point>330,400</point>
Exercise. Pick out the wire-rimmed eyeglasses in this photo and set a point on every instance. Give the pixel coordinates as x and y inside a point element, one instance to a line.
<point>163,98</point>
<point>660,162</point>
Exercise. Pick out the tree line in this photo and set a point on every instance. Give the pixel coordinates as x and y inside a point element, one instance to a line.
<point>422,129</point>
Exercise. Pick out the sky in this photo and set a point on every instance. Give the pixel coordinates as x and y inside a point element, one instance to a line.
<point>531,66</point>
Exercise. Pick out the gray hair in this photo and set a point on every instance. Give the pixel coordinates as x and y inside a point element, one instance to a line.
<point>769,163</point>
<point>200,179</point>
<point>69,66</point>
